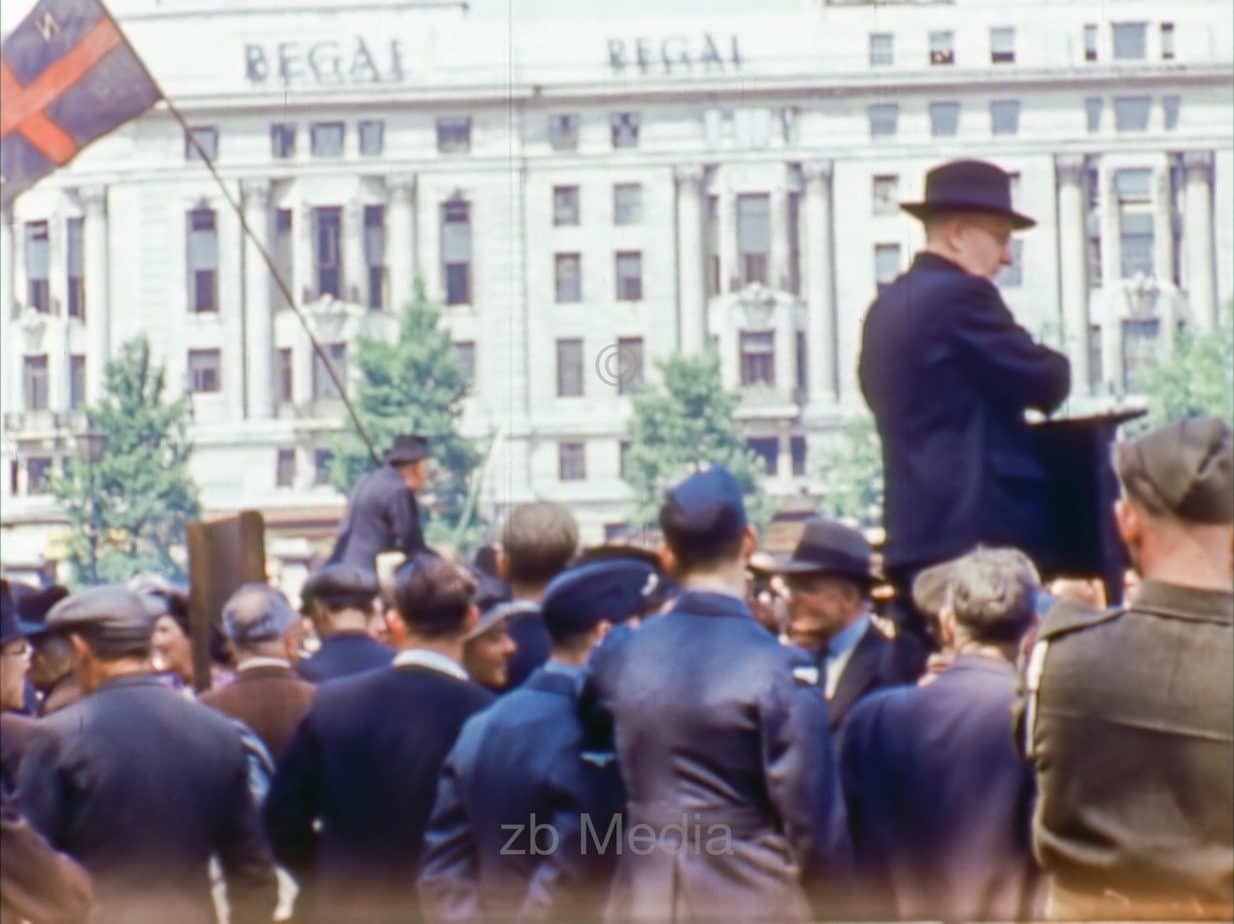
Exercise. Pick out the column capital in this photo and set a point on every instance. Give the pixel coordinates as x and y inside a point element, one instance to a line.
<point>1069,167</point>
<point>401,186</point>
<point>93,198</point>
<point>256,192</point>
<point>691,174</point>
<point>1197,160</point>
<point>818,171</point>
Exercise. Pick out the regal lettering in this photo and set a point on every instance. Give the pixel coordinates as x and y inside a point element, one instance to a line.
<point>674,54</point>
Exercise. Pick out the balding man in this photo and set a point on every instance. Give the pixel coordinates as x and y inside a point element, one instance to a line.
<point>1129,718</point>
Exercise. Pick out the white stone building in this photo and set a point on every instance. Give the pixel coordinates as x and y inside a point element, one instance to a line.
<point>587,196</point>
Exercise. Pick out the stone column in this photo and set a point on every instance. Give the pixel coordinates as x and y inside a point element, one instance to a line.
<point>354,289</point>
<point>691,308</point>
<point>400,240</point>
<point>98,287</point>
<point>1073,266</point>
<point>726,208</point>
<point>820,285</point>
<point>1111,239</point>
<point>1198,235</point>
<point>303,271</point>
<point>1163,223</point>
<point>777,276</point>
<point>258,312</point>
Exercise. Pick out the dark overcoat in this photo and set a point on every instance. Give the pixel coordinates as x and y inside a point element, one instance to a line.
<point>142,787</point>
<point>722,739</point>
<point>939,801</point>
<point>948,374</point>
<point>382,515</point>
<point>521,813</point>
<point>343,654</point>
<point>877,661</point>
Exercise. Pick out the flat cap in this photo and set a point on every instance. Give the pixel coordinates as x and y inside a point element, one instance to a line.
<point>1184,468</point>
<point>257,613</point>
<point>116,618</point>
<point>582,596</point>
<point>340,584</point>
<point>707,507</point>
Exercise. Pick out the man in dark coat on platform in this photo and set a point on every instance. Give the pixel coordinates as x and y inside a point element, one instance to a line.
<point>521,810</point>
<point>351,799</point>
<point>382,514</point>
<point>948,374</point>
<point>141,786</point>
<point>341,598</point>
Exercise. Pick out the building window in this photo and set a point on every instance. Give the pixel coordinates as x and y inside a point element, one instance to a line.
<point>372,137</point>
<point>767,448</point>
<point>38,266</point>
<point>207,139</point>
<point>1169,112</point>
<point>324,388</point>
<point>882,49</point>
<point>623,459</point>
<point>886,264</point>
<point>797,446</point>
<point>282,247</point>
<point>942,47</point>
<point>1130,41</point>
<point>629,365</point>
<point>1139,348</point>
<point>1090,42</point>
<point>883,119</point>
<point>568,277</point>
<point>1167,41</point>
<point>37,470</point>
<point>34,382</point>
<point>203,260</point>
<point>285,373</point>
<point>205,371</point>
<point>753,237</point>
<point>1011,277</point>
<point>1005,117</point>
<point>285,468</point>
<point>454,134</point>
<point>75,269</point>
<point>1092,191</point>
<point>623,127</point>
<point>456,250</point>
<point>627,203</point>
<point>1131,113</point>
<point>375,254</point>
<point>629,276</point>
<point>1002,45</point>
<point>758,357</point>
<point>944,119</point>
<point>570,368</point>
<point>327,249</point>
<point>1133,189</point>
<point>283,140</point>
<point>571,461</point>
<point>465,356</point>
<point>1092,113</point>
<point>886,194</point>
<point>565,205</point>
<point>323,459</point>
<point>794,243</point>
<point>711,240</point>
<point>77,382</point>
<point>326,139</point>
<point>563,131</point>
<point>803,369</point>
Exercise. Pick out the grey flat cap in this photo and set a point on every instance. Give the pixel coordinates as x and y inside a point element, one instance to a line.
<point>1184,468</point>
<point>114,617</point>
<point>257,613</point>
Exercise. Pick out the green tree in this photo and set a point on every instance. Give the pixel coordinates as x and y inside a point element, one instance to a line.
<point>414,385</point>
<point>128,511</point>
<point>851,469</point>
<point>684,423</point>
<point>1197,377</point>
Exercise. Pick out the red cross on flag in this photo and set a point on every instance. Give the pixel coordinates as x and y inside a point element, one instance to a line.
<point>67,77</point>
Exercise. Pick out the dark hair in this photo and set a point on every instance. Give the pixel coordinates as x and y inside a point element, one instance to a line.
<point>696,554</point>
<point>539,539</point>
<point>432,596</point>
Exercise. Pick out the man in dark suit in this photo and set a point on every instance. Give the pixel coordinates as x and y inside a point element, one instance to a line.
<point>141,785</point>
<point>948,374</point>
<point>829,578</point>
<point>939,802</point>
<point>350,802</point>
<point>382,514</point>
<point>721,737</point>
<point>340,598</point>
<point>517,782</point>
<point>266,694</point>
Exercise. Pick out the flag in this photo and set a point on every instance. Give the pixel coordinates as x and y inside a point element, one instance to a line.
<point>67,77</point>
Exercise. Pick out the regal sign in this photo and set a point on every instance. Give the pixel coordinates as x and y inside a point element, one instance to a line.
<point>675,54</point>
<point>325,63</point>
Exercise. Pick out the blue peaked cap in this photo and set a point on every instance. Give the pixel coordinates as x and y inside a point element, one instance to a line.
<point>581,596</point>
<point>707,507</point>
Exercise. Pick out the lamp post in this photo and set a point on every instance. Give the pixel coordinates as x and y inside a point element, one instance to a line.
<point>92,443</point>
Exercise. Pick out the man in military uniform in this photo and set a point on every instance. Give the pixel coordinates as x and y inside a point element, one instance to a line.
<point>721,735</point>
<point>382,514</point>
<point>340,598</point>
<point>1129,714</point>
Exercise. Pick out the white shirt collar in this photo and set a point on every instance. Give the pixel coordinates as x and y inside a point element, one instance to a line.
<point>250,664</point>
<point>433,660</point>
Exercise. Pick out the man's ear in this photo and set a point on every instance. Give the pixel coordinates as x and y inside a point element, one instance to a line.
<point>472,617</point>
<point>503,566</point>
<point>668,561</point>
<point>1130,523</point>
<point>394,624</point>
<point>946,627</point>
<point>749,542</point>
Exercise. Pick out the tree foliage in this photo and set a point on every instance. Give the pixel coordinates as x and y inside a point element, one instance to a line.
<point>128,511</point>
<point>851,470</point>
<point>686,422</point>
<point>1195,379</point>
<point>414,385</point>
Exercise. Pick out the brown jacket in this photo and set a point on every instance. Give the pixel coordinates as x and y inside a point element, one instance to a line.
<point>269,699</point>
<point>37,883</point>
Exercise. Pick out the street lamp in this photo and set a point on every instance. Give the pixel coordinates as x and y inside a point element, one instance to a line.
<point>92,444</point>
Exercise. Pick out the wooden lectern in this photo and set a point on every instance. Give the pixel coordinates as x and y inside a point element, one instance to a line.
<point>1080,494</point>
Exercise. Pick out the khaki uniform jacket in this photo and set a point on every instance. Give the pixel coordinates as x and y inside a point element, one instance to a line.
<point>1129,722</point>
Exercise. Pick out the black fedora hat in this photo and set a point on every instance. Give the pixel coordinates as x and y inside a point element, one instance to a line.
<point>968,186</point>
<point>828,547</point>
<point>408,448</point>
<point>12,626</point>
